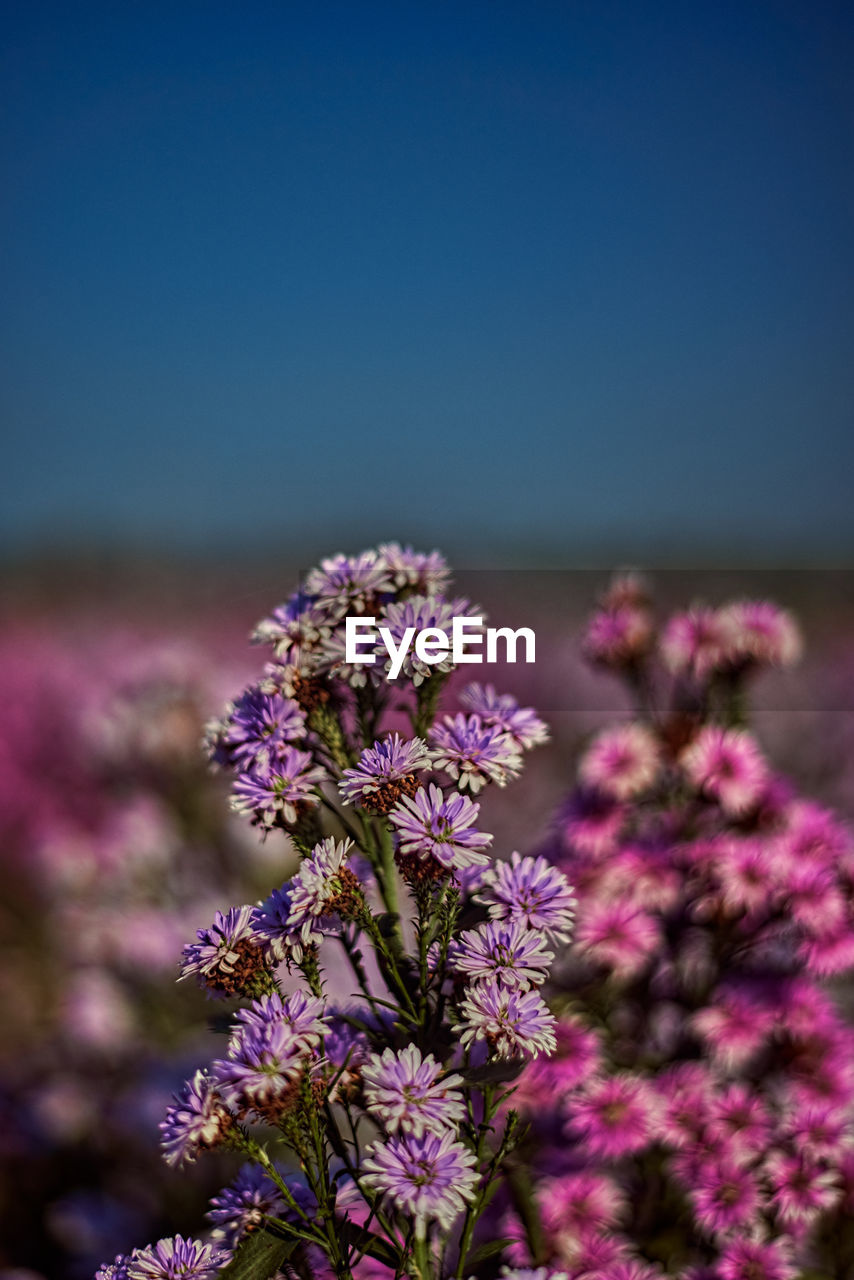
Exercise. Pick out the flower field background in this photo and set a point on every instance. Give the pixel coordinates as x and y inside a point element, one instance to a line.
<point>695,1058</point>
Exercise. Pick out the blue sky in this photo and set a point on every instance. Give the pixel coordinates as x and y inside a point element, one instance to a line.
<point>552,276</point>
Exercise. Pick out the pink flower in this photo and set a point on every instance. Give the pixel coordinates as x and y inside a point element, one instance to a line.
<point>759,632</point>
<point>724,1197</point>
<point>576,1057</point>
<point>725,765</point>
<point>622,762</point>
<point>735,1027</point>
<point>756,1260</point>
<point>579,1202</point>
<point>801,1189</point>
<point>613,1116</point>
<point>696,643</point>
<point>616,935</point>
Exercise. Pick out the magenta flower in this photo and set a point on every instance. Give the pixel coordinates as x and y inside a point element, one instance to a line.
<point>696,643</point>
<point>618,636</point>
<point>613,1116</point>
<point>622,763</point>
<point>760,632</point>
<point>756,1260</point>
<point>617,935</point>
<point>725,1197</point>
<point>726,766</point>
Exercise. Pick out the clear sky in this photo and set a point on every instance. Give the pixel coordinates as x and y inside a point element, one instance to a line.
<point>567,275</point>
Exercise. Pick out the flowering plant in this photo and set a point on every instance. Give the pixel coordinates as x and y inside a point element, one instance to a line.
<point>698,1118</point>
<point>374,1118</point>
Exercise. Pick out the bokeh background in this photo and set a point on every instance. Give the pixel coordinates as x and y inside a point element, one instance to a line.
<point>553,286</point>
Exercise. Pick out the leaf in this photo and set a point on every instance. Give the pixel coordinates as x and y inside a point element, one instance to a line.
<point>487,1250</point>
<point>367,1242</point>
<point>259,1256</point>
<point>494,1072</point>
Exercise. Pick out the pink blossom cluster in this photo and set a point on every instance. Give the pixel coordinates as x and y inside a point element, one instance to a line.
<point>698,1118</point>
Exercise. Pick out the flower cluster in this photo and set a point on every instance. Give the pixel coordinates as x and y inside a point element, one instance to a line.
<point>697,1119</point>
<point>400,1148</point>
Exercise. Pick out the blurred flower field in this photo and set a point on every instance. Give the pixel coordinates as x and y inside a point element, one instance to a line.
<point>696,1117</point>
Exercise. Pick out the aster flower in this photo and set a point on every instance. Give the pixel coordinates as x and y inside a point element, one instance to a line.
<point>243,1206</point>
<point>509,953</point>
<point>261,1074</point>
<point>177,1259</point>
<point>613,1116</point>
<point>303,1014</point>
<point>410,1094</point>
<point>727,766</point>
<point>295,629</point>
<point>802,1188</point>
<point>422,613</point>
<point>618,636</point>
<point>622,762</point>
<point>503,712</point>
<point>474,754</point>
<point>271,924</point>
<point>260,727</point>
<point>760,632</point>
<point>115,1270</point>
<point>323,892</point>
<point>228,956</point>
<point>424,573</point>
<point>756,1260</point>
<point>617,935</point>
<point>283,789</point>
<point>531,891</point>
<point>696,643</point>
<point>197,1121</point>
<point>429,1178</point>
<point>385,772</point>
<point>431,825</point>
<point>725,1197</point>
<point>513,1023</point>
<point>349,584</point>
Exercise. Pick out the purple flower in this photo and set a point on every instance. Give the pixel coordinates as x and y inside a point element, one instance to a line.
<point>323,892</point>
<point>513,1023</point>
<point>177,1259</point>
<point>295,629</point>
<point>474,754</point>
<point>425,573</point>
<point>348,584</point>
<point>243,1206</point>
<point>263,1069</point>
<point>510,953</point>
<point>385,772</point>
<point>503,712</point>
<point>431,825</point>
<point>116,1270</point>
<point>283,789</point>
<point>428,1178</point>
<point>197,1121</point>
<point>260,727</point>
<point>531,891</point>
<point>271,924</point>
<point>303,1014</point>
<point>229,954</point>
<point>409,1094</point>
<point>420,613</point>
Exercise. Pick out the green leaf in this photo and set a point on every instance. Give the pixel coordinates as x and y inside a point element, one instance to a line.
<point>494,1072</point>
<point>259,1256</point>
<point>487,1250</point>
<point>367,1242</point>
